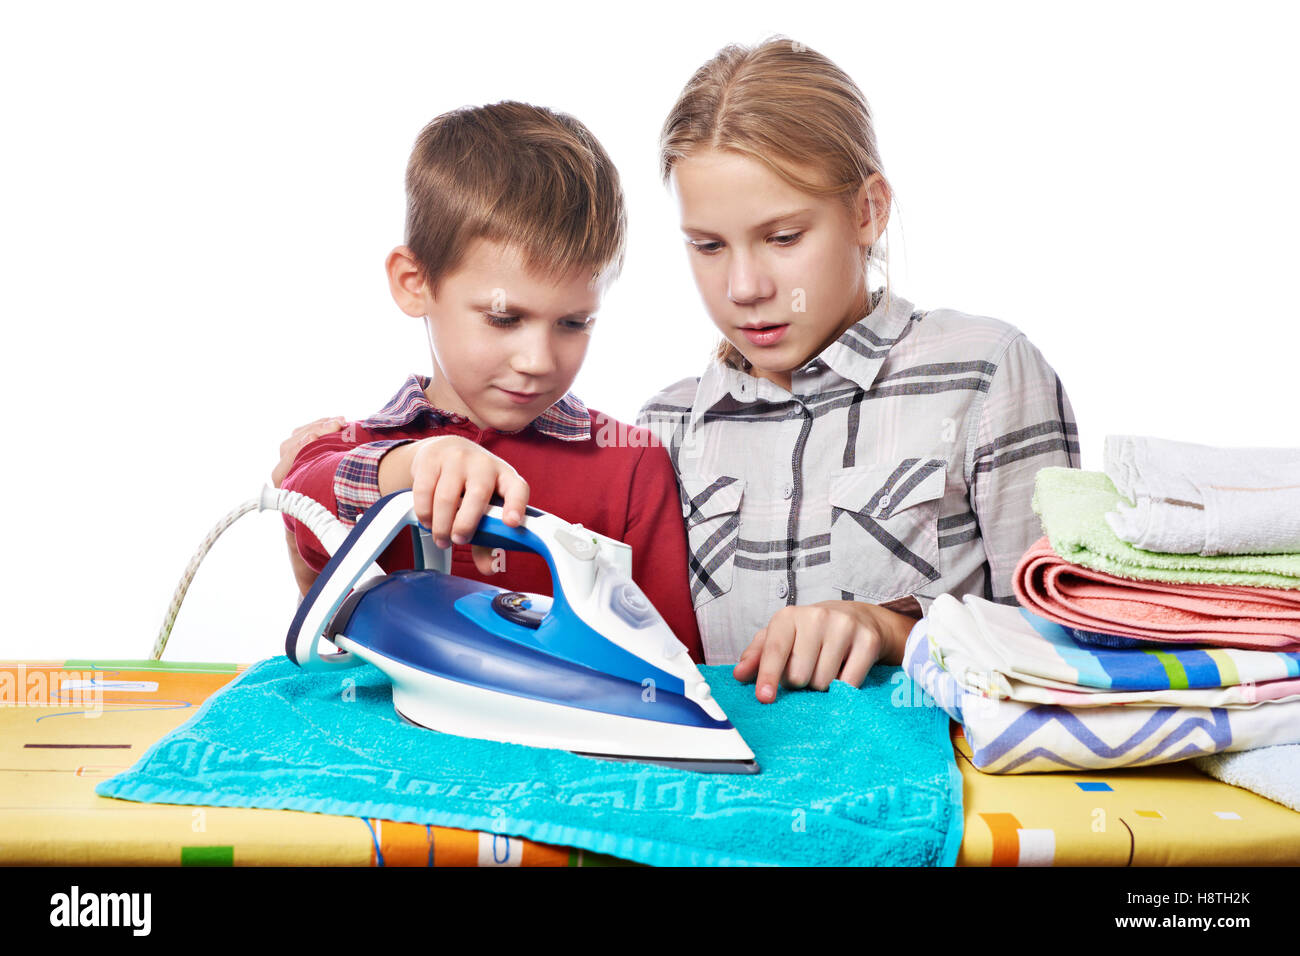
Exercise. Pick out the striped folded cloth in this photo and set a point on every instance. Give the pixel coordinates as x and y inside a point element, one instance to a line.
<point>1009,652</point>
<point>1011,736</point>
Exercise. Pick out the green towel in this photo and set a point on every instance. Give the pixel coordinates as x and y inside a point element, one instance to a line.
<point>1073,504</point>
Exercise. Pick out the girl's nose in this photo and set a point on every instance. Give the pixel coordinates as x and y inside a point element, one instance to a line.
<point>746,282</point>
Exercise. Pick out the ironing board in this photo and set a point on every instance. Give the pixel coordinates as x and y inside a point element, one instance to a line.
<point>52,755</point>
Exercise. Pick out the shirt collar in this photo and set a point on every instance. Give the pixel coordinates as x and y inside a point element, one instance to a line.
<point>567,419</point>
<point>855,356</point>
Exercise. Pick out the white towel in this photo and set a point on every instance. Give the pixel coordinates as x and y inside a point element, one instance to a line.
<point>1272,772</point>
<point>1196,499</point>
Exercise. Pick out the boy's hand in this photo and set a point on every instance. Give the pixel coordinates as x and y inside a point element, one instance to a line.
<point>303,435</point>
<point>810,645</point>
<point>453,481</point>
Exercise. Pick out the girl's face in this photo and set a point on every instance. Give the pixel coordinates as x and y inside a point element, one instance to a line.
<point>782,272</point>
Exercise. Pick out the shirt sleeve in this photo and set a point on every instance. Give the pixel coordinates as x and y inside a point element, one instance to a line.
<point>342,476</point>
<point>1026,423</point>
<point>657,534</point>
<point>356,479</point>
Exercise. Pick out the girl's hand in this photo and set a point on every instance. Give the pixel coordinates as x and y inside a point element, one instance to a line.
<point>810,645</point>
<point>453,481</point>
<point>302,435</point>
<point>289,448</point>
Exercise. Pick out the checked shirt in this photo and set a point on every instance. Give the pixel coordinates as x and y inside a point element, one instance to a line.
<point>901,462</point>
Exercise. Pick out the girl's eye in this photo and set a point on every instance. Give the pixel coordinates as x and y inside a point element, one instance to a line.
<point>787,239</point>
<point>500,321</point>
<point>580,325</point>
<point>705,248</point>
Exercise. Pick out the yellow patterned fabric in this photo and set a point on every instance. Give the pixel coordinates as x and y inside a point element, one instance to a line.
<point>1169,815</point>
<point>64,726</point>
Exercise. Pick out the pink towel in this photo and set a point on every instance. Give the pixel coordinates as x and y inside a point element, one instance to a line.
<point>1218,614</point>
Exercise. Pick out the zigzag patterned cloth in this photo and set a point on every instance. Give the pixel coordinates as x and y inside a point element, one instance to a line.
<point>1008,736</point>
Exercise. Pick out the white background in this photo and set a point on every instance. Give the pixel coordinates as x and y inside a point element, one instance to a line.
<point>196,201</point>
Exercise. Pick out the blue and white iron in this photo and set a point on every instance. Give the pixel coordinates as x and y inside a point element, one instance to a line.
<point>594,669</point>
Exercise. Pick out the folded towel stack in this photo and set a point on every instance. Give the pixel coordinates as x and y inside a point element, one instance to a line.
<point>1121,655</point>
<point>1083,575</point>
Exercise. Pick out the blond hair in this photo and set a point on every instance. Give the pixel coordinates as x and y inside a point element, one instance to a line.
<point>791,109</point>
<point>519,174</point>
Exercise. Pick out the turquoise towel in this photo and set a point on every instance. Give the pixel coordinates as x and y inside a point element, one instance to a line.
<point>850,776</point>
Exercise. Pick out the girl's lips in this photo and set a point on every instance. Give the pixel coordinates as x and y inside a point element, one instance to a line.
<point>766,336</point>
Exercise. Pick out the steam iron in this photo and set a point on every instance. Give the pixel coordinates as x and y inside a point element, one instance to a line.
<point>593,669</point>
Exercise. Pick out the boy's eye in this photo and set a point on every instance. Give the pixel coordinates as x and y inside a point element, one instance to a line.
<point>787,239</point>
<point>509,321</point>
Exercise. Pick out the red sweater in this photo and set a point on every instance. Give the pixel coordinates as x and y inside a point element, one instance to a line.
<point>625,489</point>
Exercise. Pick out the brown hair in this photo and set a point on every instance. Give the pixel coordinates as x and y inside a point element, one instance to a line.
<point>515,173</point>
<point>783,105</point>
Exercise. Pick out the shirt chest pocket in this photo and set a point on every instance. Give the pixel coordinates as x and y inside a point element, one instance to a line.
<point>885,527</point>
<point>711,507</point>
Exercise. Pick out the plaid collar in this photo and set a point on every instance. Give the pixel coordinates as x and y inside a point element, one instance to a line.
<point>567,419</point>
<point>856,357</point>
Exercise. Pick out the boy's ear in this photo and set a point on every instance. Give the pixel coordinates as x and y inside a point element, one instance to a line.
<point>406,282</point>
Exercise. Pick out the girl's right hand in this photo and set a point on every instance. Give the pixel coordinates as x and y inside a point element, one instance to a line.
<point>302,435</point>
<point>453,481</point>
<point>810,645</point>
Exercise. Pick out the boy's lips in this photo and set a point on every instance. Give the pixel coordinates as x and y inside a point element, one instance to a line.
<point>521,398</point>
<point>765,334</point>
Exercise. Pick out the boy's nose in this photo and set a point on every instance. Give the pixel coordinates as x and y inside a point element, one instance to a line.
<point>534,358</point>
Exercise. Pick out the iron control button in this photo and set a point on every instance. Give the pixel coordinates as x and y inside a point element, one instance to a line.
<point>627,601</point>
<point>584,549</point>
<point>515,606</point>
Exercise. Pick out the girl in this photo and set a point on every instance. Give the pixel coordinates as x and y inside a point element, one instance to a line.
<point>846,457</point>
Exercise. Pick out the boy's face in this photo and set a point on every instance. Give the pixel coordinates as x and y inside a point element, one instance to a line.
<point>781,271</point>
<point>507,345</point>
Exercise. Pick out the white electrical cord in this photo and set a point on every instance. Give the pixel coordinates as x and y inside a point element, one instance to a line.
<point>329,530</point>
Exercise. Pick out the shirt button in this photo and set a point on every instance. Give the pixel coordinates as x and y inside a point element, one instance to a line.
<point>787,490</point>
<point>884,501</point>
<point>782,590</point>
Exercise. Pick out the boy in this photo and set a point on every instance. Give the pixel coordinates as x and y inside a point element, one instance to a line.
<point>515,226</point>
